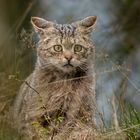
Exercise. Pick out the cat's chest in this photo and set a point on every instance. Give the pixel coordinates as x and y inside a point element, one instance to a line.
<point>56,95</point>
<point>50,87</point>
<point>62,87</point>
<point>54,84</point>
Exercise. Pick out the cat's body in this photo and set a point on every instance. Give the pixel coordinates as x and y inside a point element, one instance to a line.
<point>60,93</point>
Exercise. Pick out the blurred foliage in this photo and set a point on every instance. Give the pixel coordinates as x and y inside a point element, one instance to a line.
<point>13,57</point>
<point>127,21</point>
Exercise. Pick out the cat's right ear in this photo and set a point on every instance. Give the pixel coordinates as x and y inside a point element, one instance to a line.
<point>40,24</point>
<point>86,25</point>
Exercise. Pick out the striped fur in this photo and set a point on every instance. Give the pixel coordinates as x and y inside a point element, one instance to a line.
<point>54,90</point>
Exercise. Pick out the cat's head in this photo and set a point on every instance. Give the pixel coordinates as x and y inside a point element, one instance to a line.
<point>64,46</point>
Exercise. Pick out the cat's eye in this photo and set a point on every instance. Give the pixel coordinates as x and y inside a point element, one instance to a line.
<point>58,48</point>
<point>78,48</point>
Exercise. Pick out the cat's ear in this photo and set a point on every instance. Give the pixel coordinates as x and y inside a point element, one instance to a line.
<point>87,24</point>
<point>40,24</point>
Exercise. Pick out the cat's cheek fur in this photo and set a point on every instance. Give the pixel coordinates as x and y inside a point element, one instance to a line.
<point>75,62</point>
<point>54,62</point>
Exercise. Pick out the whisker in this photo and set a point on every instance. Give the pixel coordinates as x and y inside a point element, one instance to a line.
<point>45,65</point>
<point>85,65</point>
<point>82,68</point>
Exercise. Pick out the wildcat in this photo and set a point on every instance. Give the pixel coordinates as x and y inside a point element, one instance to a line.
<point>58,98</point>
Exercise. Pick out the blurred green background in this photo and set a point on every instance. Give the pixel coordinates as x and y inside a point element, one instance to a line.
<point>117,39</point>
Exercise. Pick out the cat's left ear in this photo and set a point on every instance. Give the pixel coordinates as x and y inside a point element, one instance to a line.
<point>87,24</point>
<point>40,24</point>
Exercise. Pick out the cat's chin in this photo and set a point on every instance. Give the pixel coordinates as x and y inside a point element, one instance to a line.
<point>66,69</point>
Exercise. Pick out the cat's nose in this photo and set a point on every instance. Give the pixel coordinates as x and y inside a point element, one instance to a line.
<point>68,57</point>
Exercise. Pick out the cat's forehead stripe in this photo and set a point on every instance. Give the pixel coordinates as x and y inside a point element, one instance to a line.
<point>65,29</point>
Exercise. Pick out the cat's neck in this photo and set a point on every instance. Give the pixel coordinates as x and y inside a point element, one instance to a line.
<point>77,72</point>
<point>52,74</point>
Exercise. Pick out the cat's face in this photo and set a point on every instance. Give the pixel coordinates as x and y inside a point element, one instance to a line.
<point>65,47</point>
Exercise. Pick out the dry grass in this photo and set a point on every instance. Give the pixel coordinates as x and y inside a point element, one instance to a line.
<point>125,127</point>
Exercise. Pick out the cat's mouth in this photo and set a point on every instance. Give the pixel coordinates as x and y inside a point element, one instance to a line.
<point>68,65</point>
